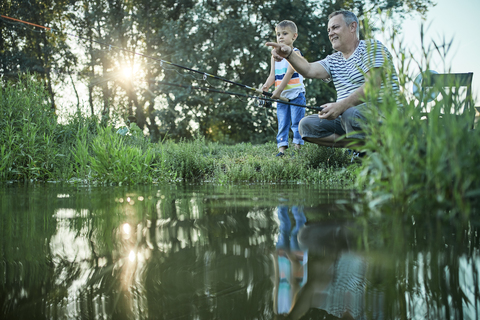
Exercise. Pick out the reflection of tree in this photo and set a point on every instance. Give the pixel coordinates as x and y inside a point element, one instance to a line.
<point>433,271</point>
<point>210,254</point>
<point>26,271</point>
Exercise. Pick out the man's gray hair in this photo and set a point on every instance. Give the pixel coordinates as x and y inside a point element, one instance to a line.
<point>349,18</point>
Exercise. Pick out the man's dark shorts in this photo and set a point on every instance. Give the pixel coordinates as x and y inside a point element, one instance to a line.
<point>349,124</point>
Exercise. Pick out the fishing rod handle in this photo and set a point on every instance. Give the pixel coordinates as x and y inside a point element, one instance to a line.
<point>268,94</point>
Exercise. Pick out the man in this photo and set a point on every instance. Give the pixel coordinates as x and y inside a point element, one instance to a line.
<point>350,67</point>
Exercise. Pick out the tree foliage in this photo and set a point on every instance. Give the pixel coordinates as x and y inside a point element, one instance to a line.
<point>26,49</point>
<point>99,40</point>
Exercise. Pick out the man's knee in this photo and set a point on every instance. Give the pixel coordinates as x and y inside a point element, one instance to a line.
<point>300,127</point>
<point>304,126</point>
<point>313,127</point>
<point>352,121</point>
<point>351,114</point>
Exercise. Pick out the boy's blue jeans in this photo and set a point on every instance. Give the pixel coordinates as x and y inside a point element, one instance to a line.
<point>286,115</point>
<point>287,238</point>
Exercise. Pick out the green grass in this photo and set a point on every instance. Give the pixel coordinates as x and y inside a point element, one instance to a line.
<point>206,161</point>
<point>35,147</point>
<point>27,133</point>
<point>113,158</point>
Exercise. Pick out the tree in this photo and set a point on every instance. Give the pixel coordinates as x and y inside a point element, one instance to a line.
<point>34,49</point>
<point>224,38</point>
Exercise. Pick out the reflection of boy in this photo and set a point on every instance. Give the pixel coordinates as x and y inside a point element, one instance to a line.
<point>289,260</point>
<point>287,239</point>
<point>288,84</point>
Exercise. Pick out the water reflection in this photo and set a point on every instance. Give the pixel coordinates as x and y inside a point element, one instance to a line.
<point>336,281</point>
<point>205,252</point>
<point>290,262</point>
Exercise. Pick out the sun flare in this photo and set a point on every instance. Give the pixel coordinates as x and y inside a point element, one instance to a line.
<point>127,72</point>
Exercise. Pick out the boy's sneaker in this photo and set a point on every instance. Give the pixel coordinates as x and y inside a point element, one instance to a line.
<point>280,154</point>
<point>357,156</point>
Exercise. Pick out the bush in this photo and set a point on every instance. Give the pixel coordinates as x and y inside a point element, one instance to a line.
<point>112,160</point>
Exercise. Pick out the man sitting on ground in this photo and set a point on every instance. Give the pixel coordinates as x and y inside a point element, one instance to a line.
<point>350,67</point>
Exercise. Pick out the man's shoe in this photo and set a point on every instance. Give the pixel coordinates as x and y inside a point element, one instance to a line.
<point>280,154</point>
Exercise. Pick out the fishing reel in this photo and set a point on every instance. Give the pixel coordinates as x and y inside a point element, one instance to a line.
<point>263,103</point>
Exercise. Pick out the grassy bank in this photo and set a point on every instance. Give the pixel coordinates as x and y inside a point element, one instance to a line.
<point>429,164</point>
<point>109,157</point>
<point>36,147</point>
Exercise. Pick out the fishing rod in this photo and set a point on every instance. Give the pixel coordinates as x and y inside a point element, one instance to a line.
<point>232,94</point>
<point>268,94</point>
<point>205,75</point>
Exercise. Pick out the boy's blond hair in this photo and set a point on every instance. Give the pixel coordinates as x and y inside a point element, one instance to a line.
<point>287,24</point>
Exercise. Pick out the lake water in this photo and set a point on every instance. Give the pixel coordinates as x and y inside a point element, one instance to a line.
<point>227,252</point>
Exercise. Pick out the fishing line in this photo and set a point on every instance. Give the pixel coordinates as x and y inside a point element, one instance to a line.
<point>29,23</point>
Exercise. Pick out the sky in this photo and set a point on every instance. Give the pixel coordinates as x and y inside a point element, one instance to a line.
<point>452,20</point>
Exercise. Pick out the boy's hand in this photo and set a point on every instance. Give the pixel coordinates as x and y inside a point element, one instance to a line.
<point>264,88</point>
<point>279,51</point>
<point>276,94</point>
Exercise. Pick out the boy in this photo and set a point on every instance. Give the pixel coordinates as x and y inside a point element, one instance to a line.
<point>288,84</point>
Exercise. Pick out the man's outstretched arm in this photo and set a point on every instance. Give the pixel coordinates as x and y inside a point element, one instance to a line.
<point>300,64</point>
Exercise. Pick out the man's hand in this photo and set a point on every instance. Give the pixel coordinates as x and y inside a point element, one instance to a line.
<point>279,51</point>
<point>331,111</point>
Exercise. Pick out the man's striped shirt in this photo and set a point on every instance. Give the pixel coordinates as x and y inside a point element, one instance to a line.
<point>348,74</point>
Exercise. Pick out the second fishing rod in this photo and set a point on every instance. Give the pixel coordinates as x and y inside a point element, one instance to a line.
<point>231,93</point>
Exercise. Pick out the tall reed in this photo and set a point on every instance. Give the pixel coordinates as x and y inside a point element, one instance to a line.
<point>27,131</point>
<point>427,162</point>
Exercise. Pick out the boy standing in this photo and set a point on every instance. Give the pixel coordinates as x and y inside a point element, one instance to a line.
<point>288,84</point>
